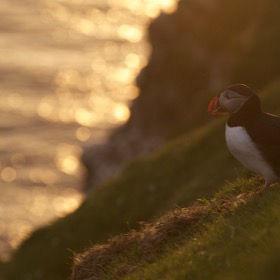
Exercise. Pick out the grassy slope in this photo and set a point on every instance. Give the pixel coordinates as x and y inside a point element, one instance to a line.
<point>235,235</point>
<point>191,167</point>
<point>242,243</point>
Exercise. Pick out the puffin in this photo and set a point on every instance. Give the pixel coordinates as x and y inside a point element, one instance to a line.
<point>252,136</point>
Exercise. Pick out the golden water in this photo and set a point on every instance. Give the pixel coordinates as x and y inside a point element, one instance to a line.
<point>67,70</point>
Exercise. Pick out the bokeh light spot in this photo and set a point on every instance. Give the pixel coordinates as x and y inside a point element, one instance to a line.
<point>67,76</point>
<point>121,113</point>
<point>8,174</point>
<point>15,100</point>
<point>131,33</point>
<point>67,159</point>
<point>44,109</point>
<point>132,60</point>
<point>66,203</point>
<point>85,117</point>
<point>48,177</point>
<point>132,92</point>
<point>68,165</point>
<point>83,133</point>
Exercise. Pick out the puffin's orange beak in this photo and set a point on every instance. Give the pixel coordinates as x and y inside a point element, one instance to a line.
<point>215,108</point>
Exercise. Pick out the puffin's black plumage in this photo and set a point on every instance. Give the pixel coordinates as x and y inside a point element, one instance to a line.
<point>262,129</point>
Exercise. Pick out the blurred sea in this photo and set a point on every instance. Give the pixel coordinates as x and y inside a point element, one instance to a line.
<point>67,70</point>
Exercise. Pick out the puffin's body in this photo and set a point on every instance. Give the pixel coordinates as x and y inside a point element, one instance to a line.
<point>252,136</point>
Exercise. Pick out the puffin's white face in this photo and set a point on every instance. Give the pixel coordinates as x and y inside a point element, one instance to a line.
<point>228,102</point>
<point>232,101</point>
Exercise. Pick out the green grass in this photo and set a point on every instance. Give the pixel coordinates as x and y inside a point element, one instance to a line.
<point>234,235</point>
<point>242,245</point>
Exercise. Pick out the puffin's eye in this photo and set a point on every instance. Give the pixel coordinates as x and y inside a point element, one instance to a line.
<point>227,96</point>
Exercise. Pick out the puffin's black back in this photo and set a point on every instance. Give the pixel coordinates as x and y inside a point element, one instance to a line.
<point>264,130</point>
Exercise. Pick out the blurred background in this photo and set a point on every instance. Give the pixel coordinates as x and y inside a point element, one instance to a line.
<point>67,80</point>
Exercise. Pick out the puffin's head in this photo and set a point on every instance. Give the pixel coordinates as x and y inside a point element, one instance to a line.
<point>231,100</point>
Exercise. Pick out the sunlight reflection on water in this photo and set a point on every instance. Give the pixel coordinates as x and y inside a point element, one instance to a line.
<point>67,72</point>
